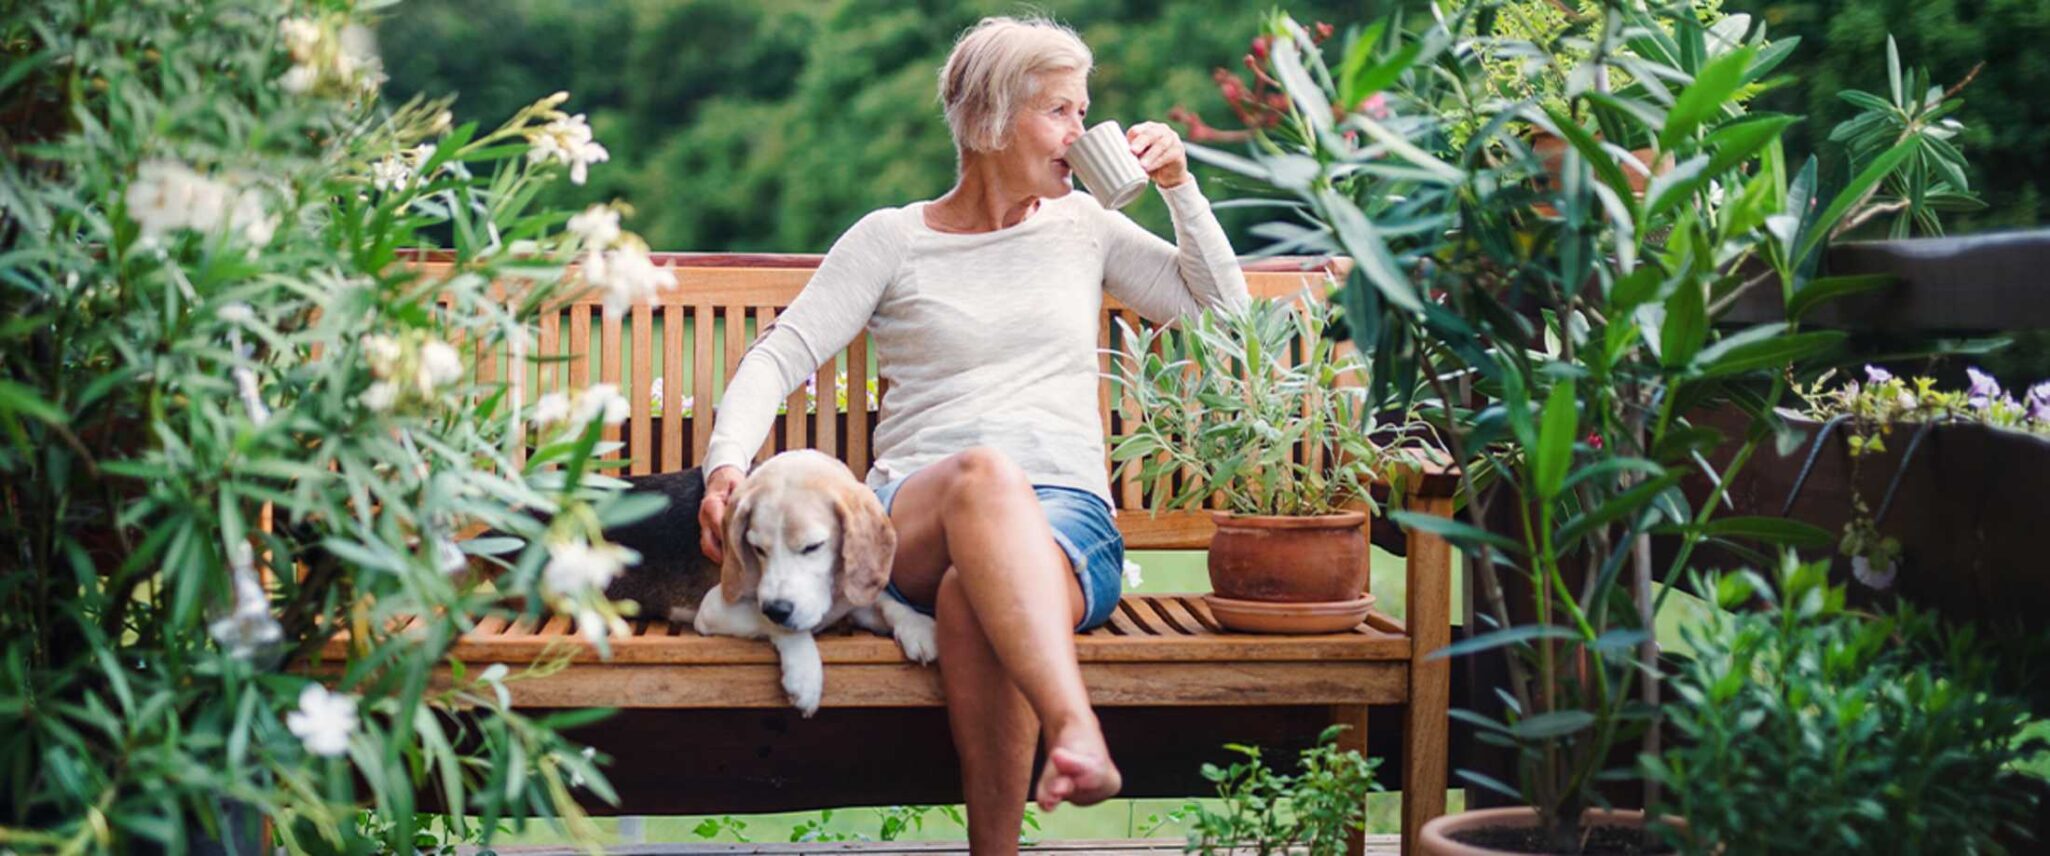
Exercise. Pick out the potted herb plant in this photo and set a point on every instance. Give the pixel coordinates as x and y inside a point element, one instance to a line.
<point>1265,411</point>
<point>1563,335</point>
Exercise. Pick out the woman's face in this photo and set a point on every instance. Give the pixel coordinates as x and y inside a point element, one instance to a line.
<point>1040,138</point>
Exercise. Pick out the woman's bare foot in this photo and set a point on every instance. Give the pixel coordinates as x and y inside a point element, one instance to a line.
<point>1078,771</point>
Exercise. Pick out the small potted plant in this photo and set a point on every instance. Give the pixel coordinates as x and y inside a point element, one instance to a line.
<point>1262,415</point>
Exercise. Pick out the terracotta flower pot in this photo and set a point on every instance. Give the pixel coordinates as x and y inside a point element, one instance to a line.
<point>1260,566</point>
<point>1440,836</point>
<point>1552,148</point>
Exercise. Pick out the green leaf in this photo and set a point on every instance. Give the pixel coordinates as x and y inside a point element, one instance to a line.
<point>1736,142</point>
<point>1382,76</point>
<point>1554,454</point>
<point>23,399</point>
<point>1772,530</point>
<point>1706,96</point>
<point>1517,635</point>
<point>1558,723</point>
<point>1828,288</point>
<point>1674,186</point>
<point>1877,171</point>
<point>1458,532</point>
<point>1730,356</point>
<point>1686,326</point>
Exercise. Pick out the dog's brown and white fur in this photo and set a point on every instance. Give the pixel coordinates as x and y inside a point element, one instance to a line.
<point>808,545</point>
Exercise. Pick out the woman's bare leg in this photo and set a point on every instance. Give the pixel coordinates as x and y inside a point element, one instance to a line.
<point>994,728</point>
<point>974,518</point>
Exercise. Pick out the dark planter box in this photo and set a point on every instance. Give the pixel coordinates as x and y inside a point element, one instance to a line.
<point>1966,510</point>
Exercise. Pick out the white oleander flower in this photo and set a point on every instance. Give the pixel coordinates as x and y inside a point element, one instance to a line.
<point>551,409</point>
<point>301,37</point>
<point>380,396</point>
<point>567,140</point>
<point>299,80</point>
<point>249,219</point>
<point>356,60</point>
<point>602,401</point>
<point>448,557</point>
<point>440,365</point>
<point>382,352</point>
<point>323,721</point>
<point>598,226</point>
<point>248,628</point>
<point>628,276</point>
<point>167,196</point>
<point>575,567</point>
<point>390,173</point>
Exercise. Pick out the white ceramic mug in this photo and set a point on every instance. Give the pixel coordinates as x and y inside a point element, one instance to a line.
<point>1103,159</point>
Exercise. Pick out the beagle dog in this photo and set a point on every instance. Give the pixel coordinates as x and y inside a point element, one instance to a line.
<point>807,545</point>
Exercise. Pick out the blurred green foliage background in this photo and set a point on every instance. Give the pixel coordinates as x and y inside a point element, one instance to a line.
<point>772,125</point>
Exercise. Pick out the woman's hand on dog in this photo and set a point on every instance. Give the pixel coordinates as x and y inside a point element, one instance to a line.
<point>719,487</point>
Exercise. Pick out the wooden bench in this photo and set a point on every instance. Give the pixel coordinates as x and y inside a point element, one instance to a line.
<point>705,727</point>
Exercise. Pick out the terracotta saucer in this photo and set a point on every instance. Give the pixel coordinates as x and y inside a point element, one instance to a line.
<point>1260,616</point>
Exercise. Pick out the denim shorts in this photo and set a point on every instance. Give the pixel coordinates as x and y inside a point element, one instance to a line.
<point>1083,527</point>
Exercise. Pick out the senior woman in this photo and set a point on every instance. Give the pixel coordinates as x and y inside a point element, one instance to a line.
<point>984,304</point>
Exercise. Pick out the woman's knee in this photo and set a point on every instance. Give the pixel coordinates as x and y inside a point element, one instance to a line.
<point>979,473</point>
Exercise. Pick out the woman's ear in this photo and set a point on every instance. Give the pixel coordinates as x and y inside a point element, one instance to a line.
<point>868,545</point>
<point>741,571</point>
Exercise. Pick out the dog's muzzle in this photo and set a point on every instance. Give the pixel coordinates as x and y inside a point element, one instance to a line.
<point>778,611</point>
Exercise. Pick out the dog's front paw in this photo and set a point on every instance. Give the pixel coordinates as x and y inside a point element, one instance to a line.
<point>918,636</point>
<point>803,683</point>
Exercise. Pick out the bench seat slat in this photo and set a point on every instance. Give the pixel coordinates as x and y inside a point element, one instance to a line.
<point>870,685</point>
<point>1191,636</point>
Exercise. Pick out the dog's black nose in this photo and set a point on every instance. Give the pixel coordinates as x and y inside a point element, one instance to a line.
<point>776,610</point>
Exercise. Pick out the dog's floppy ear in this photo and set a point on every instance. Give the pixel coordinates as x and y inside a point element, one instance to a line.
<point>741,572</point>
<point>868,545</point>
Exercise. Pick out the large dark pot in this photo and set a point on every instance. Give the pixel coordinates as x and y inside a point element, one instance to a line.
<point>1289,574</point>
<point>1442,836</point>
<point>1966,507</point>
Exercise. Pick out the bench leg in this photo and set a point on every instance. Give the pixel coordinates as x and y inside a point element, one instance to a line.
<point>1429,619</point>
<point>1354,738</point>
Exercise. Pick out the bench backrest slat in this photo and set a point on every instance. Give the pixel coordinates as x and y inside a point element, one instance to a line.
<point>704,328</point>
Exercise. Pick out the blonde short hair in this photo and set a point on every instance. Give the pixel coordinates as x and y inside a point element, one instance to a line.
<point>995,70</point>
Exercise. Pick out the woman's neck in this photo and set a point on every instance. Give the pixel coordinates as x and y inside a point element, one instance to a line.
<point>981,200</point>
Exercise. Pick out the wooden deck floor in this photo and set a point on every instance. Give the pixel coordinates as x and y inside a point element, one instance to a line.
<point>1377,845</point>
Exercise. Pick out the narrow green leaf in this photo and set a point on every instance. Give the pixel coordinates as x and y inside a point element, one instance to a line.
<point>1772,530</point>
<point>1825,289</point>
<point>1554,454</point>
<point>1686,326</point>
<point>1736,142</point>
<point>1558,723</point>
<point>1489,641</point>
<point>1877,171</point>
<point>1704,98</point>
<point>1458,532</point>
<point>1747,356</point>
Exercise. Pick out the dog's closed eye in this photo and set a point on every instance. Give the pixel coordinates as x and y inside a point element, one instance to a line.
<point>812,548</point>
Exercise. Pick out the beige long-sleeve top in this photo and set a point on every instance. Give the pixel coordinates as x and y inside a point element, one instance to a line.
<point>985,339</point>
